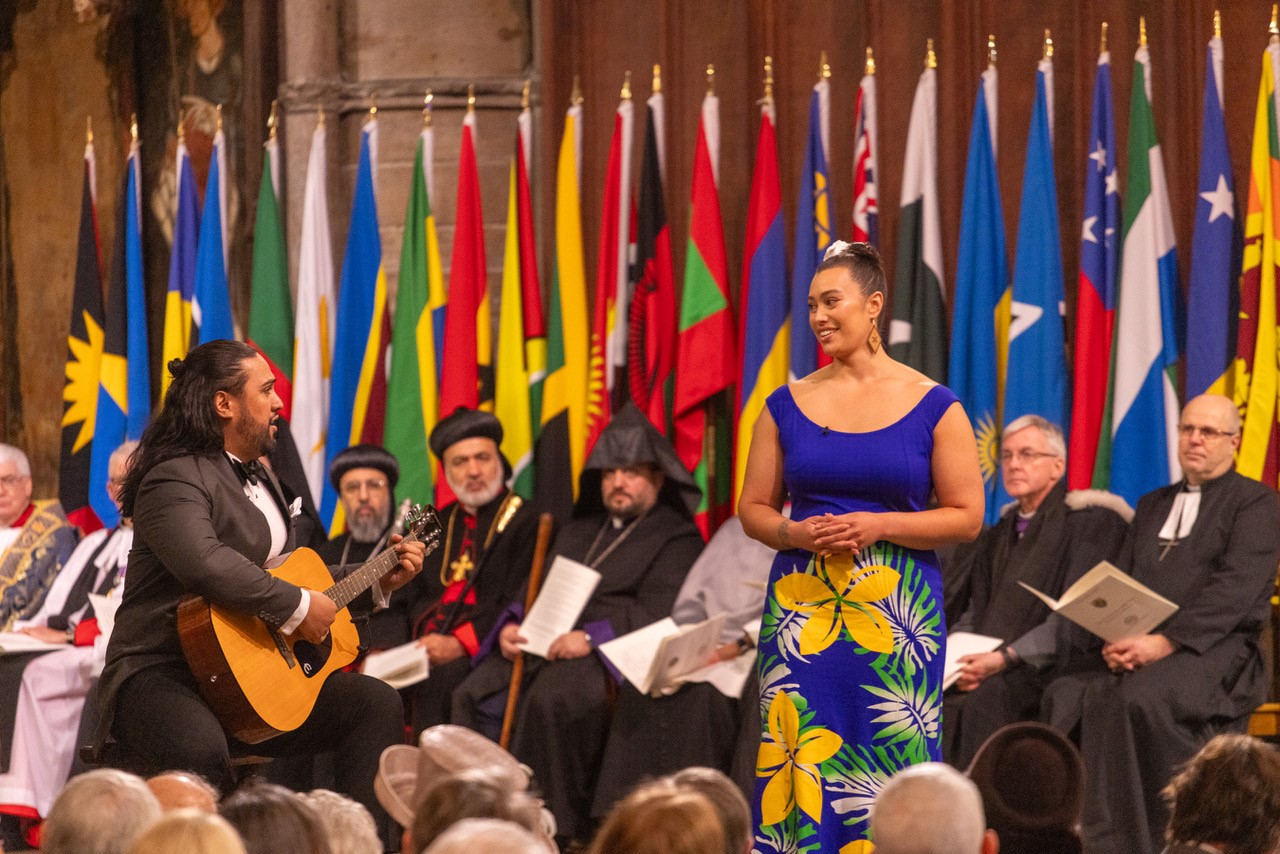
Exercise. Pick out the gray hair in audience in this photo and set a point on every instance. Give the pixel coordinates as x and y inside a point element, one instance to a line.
<point>274,820</point>
<point>929,808</point>
<point>189,830</point>
<point>488,835</point>
<point>725,796</point>
<point>99,812</point>
<point>349,826</point>
<point>1052,432</point>
<point>15,455</point>
<point>124,451</point>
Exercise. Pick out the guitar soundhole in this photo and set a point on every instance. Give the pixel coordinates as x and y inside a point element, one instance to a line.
<point>312,657</point>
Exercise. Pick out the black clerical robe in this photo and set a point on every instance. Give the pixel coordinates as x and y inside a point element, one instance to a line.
<point>379,628</point>
<point>1066,537</point>
<point>563,717</point>
<point>1134,729</point>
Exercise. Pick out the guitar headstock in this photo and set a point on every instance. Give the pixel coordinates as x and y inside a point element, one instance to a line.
<point>422,524</point>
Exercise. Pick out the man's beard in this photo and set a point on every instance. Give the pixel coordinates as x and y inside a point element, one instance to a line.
<point>368,529</point>
<point>257,437</point>
<point>476,497</point>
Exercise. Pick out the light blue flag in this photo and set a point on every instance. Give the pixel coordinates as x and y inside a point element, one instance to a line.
<point>1037,375</point>
<point>211,305</point>
<point>981,277</point>
<point>813,236</point>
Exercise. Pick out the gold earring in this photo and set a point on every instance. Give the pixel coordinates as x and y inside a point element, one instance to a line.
<point>873,340</point>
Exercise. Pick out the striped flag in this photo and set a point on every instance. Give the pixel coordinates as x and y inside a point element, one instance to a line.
<point>917,332</point>
<point>358,388</point>
<point>1142,413</point>
<point>561,443</point>
<point>413,380</point>
<point>314,324</point>
<point>705,371</point>
<point>608,360</point>
<point>270,307</point>
<point>866,145</point>
<point>182,267</point>
<point>813,229</point>
<point>763,334</point>
<point>84,361</point>
<point>982,276</point>
<point>1256,369</point>
<point>124,393</point>
<point>211,300</point>
<point>1213,300</point>
<point>1096,290</point>
<point>1037,368</point>
<point>535,326</point>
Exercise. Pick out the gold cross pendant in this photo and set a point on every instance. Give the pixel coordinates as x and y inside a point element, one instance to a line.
<point>460,568</point>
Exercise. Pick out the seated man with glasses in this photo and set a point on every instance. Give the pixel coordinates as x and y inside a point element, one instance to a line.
<point>1046,538</point>
<point>1142,706</point>
<point>35,540</point>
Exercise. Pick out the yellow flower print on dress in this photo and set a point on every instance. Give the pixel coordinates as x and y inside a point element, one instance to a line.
<point>838,594</point>
<point>858,846</point>
<point>791,762</point>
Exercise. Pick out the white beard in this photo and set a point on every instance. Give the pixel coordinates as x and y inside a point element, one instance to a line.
<point>477,498</point>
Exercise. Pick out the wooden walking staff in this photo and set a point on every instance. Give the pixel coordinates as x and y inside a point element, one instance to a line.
<point>545,524</point>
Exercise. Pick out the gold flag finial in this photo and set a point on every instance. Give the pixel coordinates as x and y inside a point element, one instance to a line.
<point>626,85</point>
<point>1102,42</point>
<point>219,119</point>
<point>320,116</point>
<point>768,78</point>
<point>373,106</point>
<point>273,119</point>
<point>930,58</point>
<point>575,98</point>
<point>524,95</point>
<point>1142,31</point>
<point>711,79</point>
<point>991,48</point>
<point>1275,26</point>
<point>1048,44</point>
<point>1217,23</point>
<point>471,97</point>
<point>870,66</point>
<point>657,78</point>
<point>182,126</point>
<point>88,130</point>
<point>427,99</point>
<point>824,67</point>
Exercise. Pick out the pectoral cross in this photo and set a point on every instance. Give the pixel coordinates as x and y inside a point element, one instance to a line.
<point>460,568</point>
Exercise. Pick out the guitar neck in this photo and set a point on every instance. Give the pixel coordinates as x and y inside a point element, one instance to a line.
<point>363,578</point>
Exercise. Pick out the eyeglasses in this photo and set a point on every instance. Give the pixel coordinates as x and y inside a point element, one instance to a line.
<point>1187,431</point>
<point>353,487</point>
<point>13,481</point>
<point>1026,455</point>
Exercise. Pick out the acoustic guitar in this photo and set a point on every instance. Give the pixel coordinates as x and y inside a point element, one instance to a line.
<point>261,683</point>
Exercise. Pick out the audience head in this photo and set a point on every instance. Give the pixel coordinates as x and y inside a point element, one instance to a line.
<point>273,820</point>
<point>1031,778</point>
<point>1228,796</point>
<point>15,484</point>
<point>475,793</point>
<point>99,812</point>
<point>468,443</point>
<point>189,831</point>
<point>180,789</point>
<point>365,477</point>
<point>1208,435</point>
<point>118,470</point>
<point>488,835</point>
<point>349,826</point>
<point>846,299</point>
<point>661,818</point>
<point>930,808</point>
<point>725,796</point>
<point>1033,458</point>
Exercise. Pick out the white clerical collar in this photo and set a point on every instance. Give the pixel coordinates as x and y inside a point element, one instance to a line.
<point>1182,515</point>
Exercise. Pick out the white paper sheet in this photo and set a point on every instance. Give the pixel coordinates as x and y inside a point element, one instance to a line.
<point>18,642</point>
<point>961,644</point>
<point>633,653</point>
<point>400,666</point>
<point>564,594</point>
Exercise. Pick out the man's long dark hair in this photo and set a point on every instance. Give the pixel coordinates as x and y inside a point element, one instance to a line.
<point>188,424</point>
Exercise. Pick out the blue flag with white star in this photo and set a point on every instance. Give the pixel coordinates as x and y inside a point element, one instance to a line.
<point>1213,301</point>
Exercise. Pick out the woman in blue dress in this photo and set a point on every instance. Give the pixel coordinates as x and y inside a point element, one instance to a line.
<point>880,465</point>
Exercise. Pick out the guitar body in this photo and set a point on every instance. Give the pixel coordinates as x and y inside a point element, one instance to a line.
<point>260,683</point>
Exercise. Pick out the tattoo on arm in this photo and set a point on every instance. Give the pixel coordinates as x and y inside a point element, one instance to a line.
<point>784,538</point>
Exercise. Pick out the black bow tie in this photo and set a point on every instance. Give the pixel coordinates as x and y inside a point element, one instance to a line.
<point>249,473</point>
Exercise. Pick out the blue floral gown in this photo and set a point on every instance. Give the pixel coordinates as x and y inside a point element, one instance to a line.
<point>851,646</point>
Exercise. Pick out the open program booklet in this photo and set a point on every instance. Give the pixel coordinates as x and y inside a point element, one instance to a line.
<point>660,657</point>
<point>1110,604</point>
<point>400,666</point>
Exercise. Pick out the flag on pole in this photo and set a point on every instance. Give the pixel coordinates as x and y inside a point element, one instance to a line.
<point>813,227</point>
<point>535,327</point>
<point>1256,370</point>
<point>705,370</point>
<point>314,324</point>
<point>84,361</point>
<point>1213,302</point>
<point>124,393</point>
<point>412,382</point>
<point>763,324</point>
<point>981,278</point>
<point>917,332</point>
<point>1142,414</point>
<point>182,267</point>
<point>1037,367</point>
<point>607,360</point>
<point>270,307</point>
<point>358,388</point>
<point>1096,290</point>
<point>211,303</point>
<point>561,445</point>
<point>866,145</point>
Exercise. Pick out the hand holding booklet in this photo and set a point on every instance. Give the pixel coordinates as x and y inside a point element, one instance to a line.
<point>960,644</point>
<point>400,666</point>
<point>657,657</point>
<point>555,612</point>
<point>1110,604</point>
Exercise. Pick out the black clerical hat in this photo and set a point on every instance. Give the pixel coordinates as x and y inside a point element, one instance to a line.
<point>364,457</point>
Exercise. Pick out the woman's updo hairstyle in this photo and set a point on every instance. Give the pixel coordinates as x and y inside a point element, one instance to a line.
<point>861,260</point>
